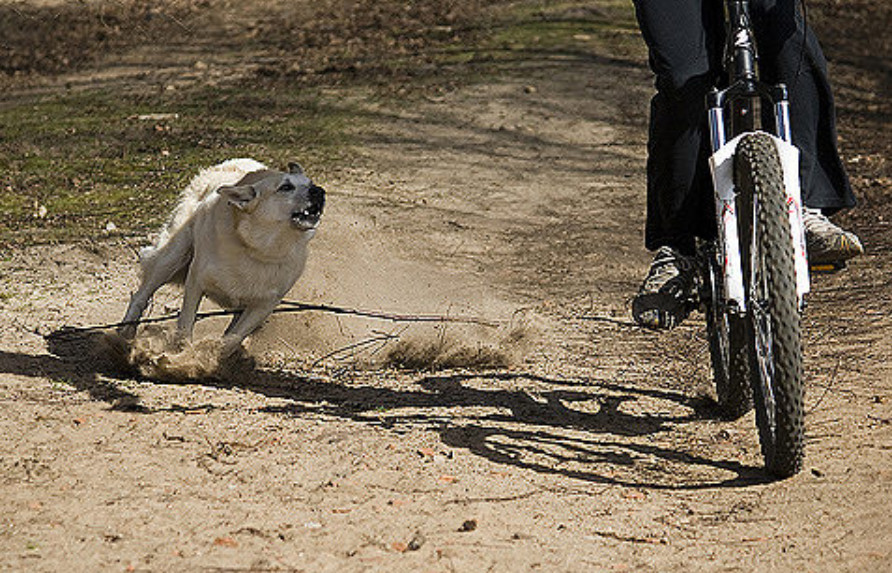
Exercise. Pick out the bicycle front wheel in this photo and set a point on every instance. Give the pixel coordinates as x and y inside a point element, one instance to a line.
<point>728,341</point>
<point>773,317</point>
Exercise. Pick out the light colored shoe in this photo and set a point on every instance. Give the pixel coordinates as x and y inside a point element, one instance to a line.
<point>827,243</point>
<point>669,292</point>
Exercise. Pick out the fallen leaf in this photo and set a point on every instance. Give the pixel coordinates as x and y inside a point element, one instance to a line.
<point>634,494</point>
<point>468,525</point>
<point>226,542</point>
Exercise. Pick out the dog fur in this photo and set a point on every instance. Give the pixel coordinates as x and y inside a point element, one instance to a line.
<point>239,236</point>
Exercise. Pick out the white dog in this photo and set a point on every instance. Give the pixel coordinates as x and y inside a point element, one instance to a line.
<point>239,236</point>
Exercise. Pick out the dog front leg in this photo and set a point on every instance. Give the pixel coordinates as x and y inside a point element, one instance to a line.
<point>244,324</point>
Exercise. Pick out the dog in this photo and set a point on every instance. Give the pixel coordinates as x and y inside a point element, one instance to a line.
<point>238,236</point>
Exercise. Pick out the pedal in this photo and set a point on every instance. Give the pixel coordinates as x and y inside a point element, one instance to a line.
<point>827,268</point>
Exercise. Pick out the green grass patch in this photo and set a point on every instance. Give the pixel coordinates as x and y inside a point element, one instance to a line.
<point>71,165</point>
<point>570,28</point>
<point>77,165</point>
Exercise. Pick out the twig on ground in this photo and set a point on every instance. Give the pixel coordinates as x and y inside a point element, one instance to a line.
<point>351,350</point>
<point>300,306</point>
<point>285,307</point>
<point>828,387</point>
<point>608,319</point>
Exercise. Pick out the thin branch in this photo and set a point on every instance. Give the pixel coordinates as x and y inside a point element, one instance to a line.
<point>286,306</point>
<point>299,306</point>
<point>608,319</point>
<point>355,348</point>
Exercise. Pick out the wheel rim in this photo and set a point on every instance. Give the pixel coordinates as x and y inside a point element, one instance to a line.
<point>761,311</point>
<point>719,315</point>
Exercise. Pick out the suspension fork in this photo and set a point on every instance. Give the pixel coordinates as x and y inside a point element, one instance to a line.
<point>740,62</point>
<point>780,97</point>
<point>728,250</point>
<point>729,247</point>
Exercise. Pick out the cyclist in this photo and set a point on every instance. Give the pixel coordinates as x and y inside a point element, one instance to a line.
<point>686,41</point>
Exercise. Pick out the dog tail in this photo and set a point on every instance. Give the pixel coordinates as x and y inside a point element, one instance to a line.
<point>200,188</point>
<point>209,180</point>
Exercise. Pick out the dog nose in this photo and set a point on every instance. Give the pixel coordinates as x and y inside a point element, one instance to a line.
<point>317,196</point>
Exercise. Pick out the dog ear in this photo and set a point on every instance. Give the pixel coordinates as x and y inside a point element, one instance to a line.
<point>295,168</point>
<point>239,196</point>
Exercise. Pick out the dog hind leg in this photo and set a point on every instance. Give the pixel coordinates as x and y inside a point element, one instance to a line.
<point>236,315</point>
<point>159,267</point>
<point>192,295</point>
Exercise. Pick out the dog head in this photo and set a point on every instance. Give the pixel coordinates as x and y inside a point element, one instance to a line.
<point>278,197</point>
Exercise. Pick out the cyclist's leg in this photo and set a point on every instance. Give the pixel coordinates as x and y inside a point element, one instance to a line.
<point>684,40</point>
<point>782,37</point>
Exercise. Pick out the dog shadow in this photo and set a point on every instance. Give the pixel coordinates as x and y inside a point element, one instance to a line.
<point>556,431</point>
<point>76,360</point>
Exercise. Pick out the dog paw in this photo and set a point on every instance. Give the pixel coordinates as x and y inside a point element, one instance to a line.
<point>234,362</point>
<point>127,332</point>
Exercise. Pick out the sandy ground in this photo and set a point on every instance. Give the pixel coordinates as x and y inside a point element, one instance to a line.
<point>585,443</point>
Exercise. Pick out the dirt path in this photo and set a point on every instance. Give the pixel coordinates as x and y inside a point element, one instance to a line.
<point>518,200</point>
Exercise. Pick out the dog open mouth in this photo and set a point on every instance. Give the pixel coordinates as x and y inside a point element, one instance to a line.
<point>308,218</point>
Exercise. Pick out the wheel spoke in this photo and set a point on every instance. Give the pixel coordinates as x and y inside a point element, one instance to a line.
<point>772,309</point>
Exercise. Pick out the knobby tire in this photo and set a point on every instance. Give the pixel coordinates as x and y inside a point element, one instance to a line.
<point>773,320</point>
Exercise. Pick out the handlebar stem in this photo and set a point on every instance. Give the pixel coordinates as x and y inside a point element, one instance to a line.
<point>740,52</point>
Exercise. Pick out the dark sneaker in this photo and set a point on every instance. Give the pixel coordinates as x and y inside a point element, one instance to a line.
<point>827,243</point>
<point>669,292</point>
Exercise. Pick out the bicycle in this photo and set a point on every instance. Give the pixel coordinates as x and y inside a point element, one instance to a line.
<point>755,274</point>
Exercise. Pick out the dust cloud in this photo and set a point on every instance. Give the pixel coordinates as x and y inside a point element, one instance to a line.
<point>426,317</point>
<point>380,310</point>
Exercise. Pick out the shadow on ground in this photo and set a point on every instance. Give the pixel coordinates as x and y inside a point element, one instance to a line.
<point>556,432</point>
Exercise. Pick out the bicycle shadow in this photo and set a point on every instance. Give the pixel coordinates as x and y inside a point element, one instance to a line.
<point>584,430</point>
<point>542,434</point>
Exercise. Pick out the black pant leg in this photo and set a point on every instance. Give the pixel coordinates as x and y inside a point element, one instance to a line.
<point>684,39</point>
<point>801,65</point>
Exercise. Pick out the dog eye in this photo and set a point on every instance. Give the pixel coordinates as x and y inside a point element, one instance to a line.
<point>286,187</point>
